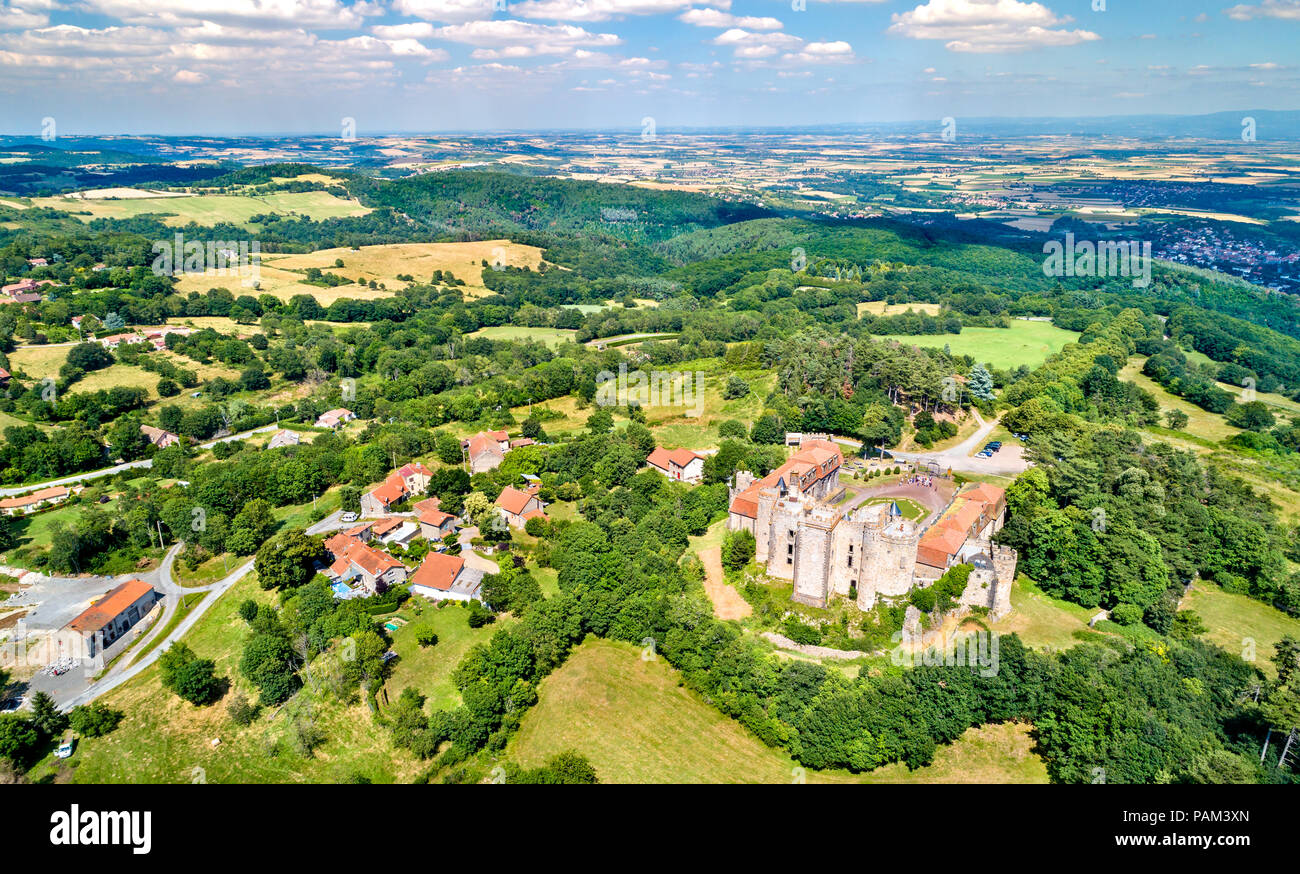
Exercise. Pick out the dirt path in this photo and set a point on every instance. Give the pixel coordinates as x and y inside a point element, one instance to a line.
<point>727,603</point>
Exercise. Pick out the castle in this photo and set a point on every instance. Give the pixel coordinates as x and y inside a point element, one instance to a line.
<point>823,549</point>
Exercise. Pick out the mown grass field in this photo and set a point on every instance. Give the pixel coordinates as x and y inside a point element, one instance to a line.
<point>209,209</point>
<point>1239,624</point>
<point>633,721</point>
<point>1025,342</point>
<point>550,336</point>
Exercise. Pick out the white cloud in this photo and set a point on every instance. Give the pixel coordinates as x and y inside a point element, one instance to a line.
<point>1284,9</point>
<point>603,10</point>
<point>716,18</point>
<point>986,26</point>
<point>320,14</point>
<point>524,38</point>
<point>14,18</point>
<point>451,11</point>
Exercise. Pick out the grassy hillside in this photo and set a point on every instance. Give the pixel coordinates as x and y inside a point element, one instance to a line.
<point>636,724</point>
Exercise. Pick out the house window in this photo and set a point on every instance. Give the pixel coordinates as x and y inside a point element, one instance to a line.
<point>789,549</point>
<point>850,561</point>
<point>789,561</point>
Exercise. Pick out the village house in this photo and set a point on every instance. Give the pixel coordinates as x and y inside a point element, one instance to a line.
<point>158,437</point>
<point>30,503</point>
<point>682,465</point>
<point>408,481</point>
<point>283,438</point>
<point>394,529</point>
<point>335,418</point>
<point>373,569</point>
<point>445,578</point>
<point>518,507</point>
<point>434,523</point>
<point>114,340</point>
<point>4,378</point>
<point>105,621</point>
<point>38,262</point>
<point>20,287</point>
<point>486,450</point>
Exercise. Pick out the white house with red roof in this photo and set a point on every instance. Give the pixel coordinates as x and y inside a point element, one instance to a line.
<point>442,577</point>
<point>335,418</point>
<point>682,465</point>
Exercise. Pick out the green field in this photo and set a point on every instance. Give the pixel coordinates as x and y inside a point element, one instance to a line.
<point>550,336</point>
<point>1025,342</point>
<point>1240,624</point>
<point>635,724</point>
<point>210,209</point>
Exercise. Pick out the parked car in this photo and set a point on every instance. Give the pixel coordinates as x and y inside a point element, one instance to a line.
<point>65,749</point>
<point>349,517</point>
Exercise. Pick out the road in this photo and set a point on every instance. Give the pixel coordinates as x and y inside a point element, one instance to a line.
<point>120,673</point>
<point>118,468</point>
<point>1009,461</point>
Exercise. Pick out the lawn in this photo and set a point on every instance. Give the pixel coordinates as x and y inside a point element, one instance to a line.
<point>635,724</point>
<point>909,508</point>
<point>1200,423</point>
<point>1043,622</point>
<point>1237,623</point>
<point>429,669</point>
<point>166,740</point>
<point>1025,342</point>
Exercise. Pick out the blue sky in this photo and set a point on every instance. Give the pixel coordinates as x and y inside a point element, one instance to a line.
<point>264,66</point>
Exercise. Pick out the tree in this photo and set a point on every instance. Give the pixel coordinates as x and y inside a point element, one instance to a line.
<point>980,383</point>
<point>737,549</point>
<point>252,527</point>
<point>190,677</point>
<point>736,388</point>
<point>18,738</point>
<point>94,719</point>
<point>46,716</point>
<point>288,561</point>
<point>269,663</point>
<point>601,421</point>
<point>114,322</point>
<point>1176,419</point>
<point>1252,416</point>
<point>89,356</point>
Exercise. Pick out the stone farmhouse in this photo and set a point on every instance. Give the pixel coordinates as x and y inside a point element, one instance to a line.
<point>681,465</point>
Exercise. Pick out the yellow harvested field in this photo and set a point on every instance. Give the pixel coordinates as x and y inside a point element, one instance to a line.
<point>281,275</point>
<point>383,263</point>
<point>881,308</point>
<point>208,209</point>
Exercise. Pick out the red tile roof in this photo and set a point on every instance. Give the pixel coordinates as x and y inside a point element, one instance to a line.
<point>108,608</point>
<point>513,501</point>
<point>438,571</point>
<point>815,460</point>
